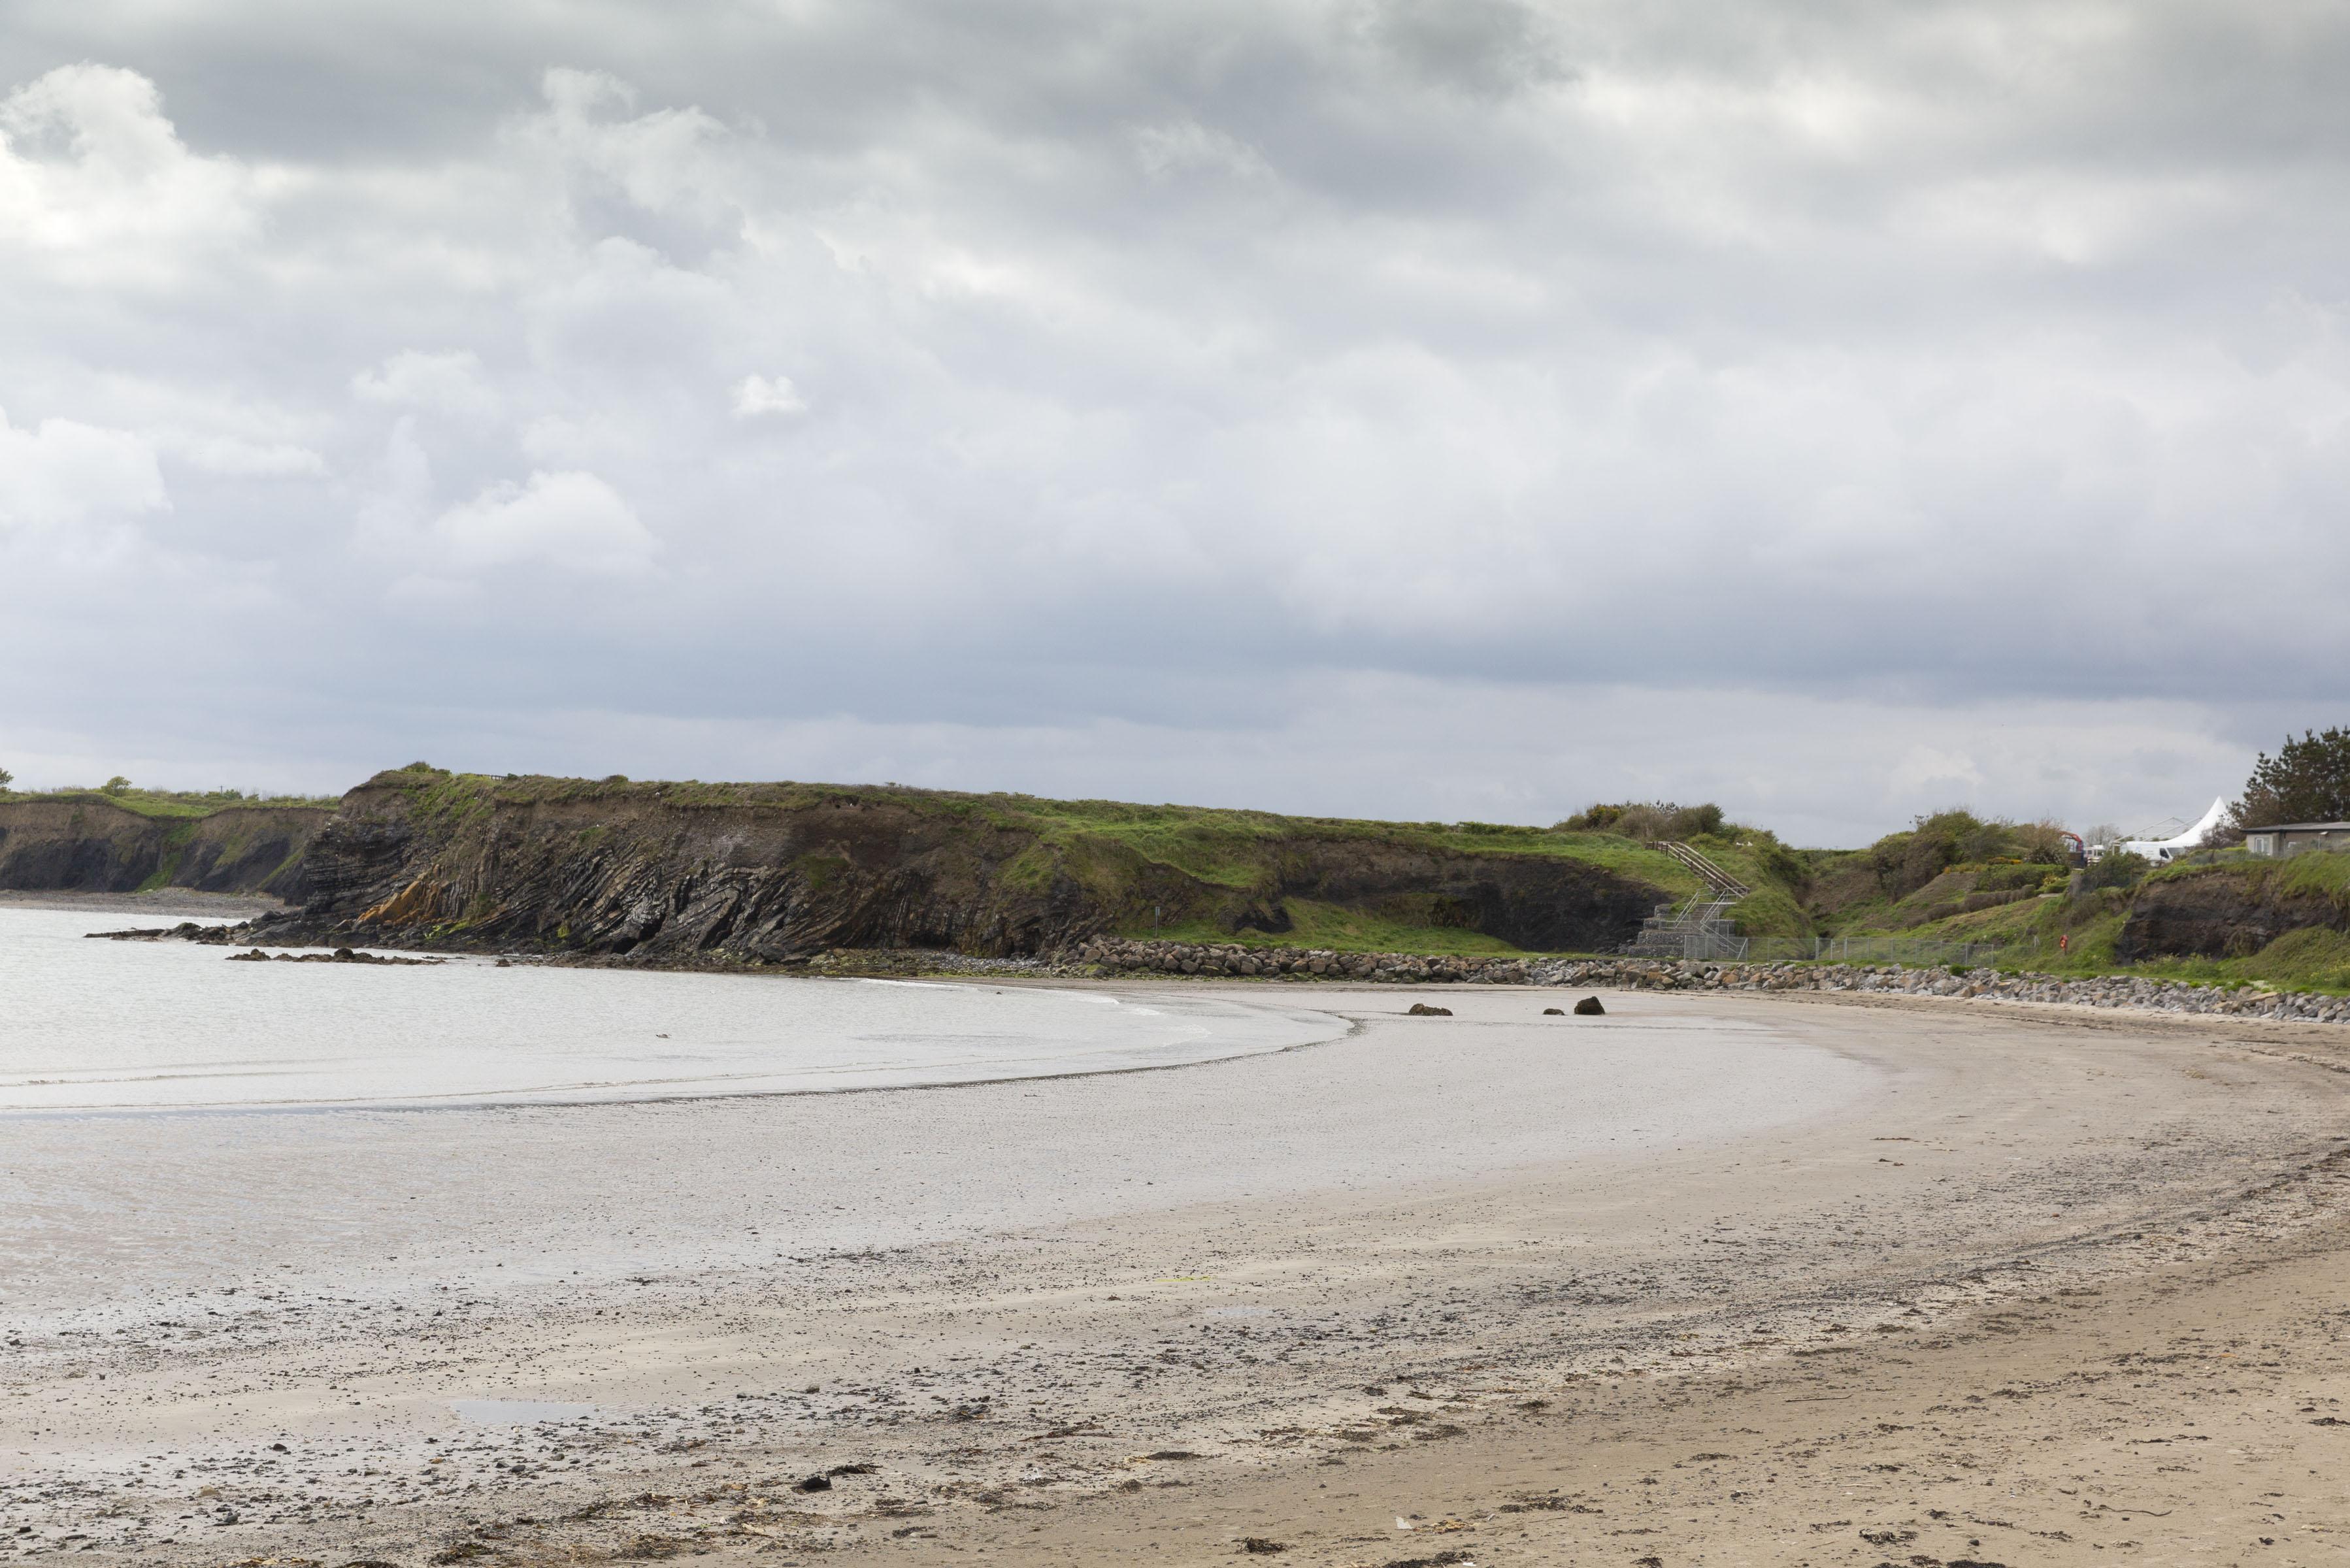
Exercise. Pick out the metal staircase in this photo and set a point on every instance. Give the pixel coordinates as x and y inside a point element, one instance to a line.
<point>1725,886</point>
<point>1699,927</point>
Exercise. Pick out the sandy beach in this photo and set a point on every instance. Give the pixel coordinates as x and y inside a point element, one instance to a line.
<point>1729,1279</point>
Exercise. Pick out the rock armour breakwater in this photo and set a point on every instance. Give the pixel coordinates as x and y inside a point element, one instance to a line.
<point>1232,960</point>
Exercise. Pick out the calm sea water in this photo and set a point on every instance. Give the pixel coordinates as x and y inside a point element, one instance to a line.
<point>130,1026</point>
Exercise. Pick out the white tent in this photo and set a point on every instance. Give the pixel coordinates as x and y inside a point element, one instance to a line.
<point>2164,848</point>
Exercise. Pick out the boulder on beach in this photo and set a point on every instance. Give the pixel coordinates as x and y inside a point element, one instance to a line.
<point>1589,1008</point>
<point>1554,1012</point>
<point>1421,1010</point>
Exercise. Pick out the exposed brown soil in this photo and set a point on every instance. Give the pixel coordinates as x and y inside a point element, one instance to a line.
<point>2218,915</point>
<point>86,845</point>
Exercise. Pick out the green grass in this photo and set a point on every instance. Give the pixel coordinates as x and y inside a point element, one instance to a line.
<point>1112,849</point>
<point>176,839</point>
<point>2313,958</point>
<point>2322,875</point>
<point>172,803</point>
<point>1221,846</point>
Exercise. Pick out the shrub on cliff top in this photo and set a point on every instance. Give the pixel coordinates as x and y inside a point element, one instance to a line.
<point>2117,868</point>
<point>2307,781</point>
<point>1646,820</point>
<point>1900,863</point>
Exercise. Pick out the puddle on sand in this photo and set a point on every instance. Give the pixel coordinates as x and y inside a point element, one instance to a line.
<point>518,1412</point>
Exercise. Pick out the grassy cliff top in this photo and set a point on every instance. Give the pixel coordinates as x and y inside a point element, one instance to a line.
<point>1215,845</point>
<point>170,803</point>
<point>2310,958</point>
<point>2322,875</point>
<point>1175,833</point>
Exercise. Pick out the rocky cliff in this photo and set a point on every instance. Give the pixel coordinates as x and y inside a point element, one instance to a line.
<point>2233,910</point>
<point>692,873</point>
<point>90,845</point>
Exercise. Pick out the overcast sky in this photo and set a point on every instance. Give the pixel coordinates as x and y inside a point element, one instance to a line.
<point>1458,409</point>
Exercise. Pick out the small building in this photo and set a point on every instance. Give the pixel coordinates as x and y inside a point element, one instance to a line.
<point>2285,838</point>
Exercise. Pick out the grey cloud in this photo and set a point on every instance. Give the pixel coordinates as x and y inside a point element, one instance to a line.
<point>1488,48</point>
<point>1156,368</point>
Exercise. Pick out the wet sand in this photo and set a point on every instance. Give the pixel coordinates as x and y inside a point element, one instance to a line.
<point>179,903</point>
<point>1957,1262</point>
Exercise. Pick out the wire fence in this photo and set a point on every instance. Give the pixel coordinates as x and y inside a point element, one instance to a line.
<point>1715,943</point>
<point>1921,951</point>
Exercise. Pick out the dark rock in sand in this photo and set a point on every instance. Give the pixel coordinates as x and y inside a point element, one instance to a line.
<point>1421,1010</point>
<point>814,1483</point>
<point>1554,1012</point>
<point>1589,1008</point>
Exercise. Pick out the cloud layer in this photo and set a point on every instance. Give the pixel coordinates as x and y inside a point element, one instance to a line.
<point>1433,410</point>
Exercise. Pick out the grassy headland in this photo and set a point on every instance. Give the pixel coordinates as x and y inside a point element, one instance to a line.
<point>2224,918</point>
<point>1266,880</point>
<point>990,863</point>
<point>163,803</point>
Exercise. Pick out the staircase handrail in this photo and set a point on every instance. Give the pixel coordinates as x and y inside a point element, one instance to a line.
<point>1716,880</point>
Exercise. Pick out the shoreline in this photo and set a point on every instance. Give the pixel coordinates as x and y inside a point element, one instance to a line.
<point>1157,961</point>
<point>185,902</point>
<point>1016,1369</point>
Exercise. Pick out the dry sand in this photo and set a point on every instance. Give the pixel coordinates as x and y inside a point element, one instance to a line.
<point>1991,1285</point>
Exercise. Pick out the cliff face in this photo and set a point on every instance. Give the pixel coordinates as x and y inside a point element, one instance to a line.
<point>94,846</point>
<point>681,874</point>
<point>2229,911</point>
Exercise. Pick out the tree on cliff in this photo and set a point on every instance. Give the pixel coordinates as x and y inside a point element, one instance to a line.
<point>2307,781</point>
<point>6,778</point>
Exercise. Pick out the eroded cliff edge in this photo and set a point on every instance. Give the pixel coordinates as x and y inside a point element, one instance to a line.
<point>90,844</point>
<point>2237,909</point>
<point>679,874</point>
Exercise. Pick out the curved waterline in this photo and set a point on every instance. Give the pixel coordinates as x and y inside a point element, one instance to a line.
<point>108,1028</point>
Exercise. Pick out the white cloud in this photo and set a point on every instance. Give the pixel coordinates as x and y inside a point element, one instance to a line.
<point>758,395</point>
<point>61,475</point>
<point>98,190</point>
<point>236,458</point>
<point>672,160</point>
<point>445,383</point>
<point>572,521</point>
